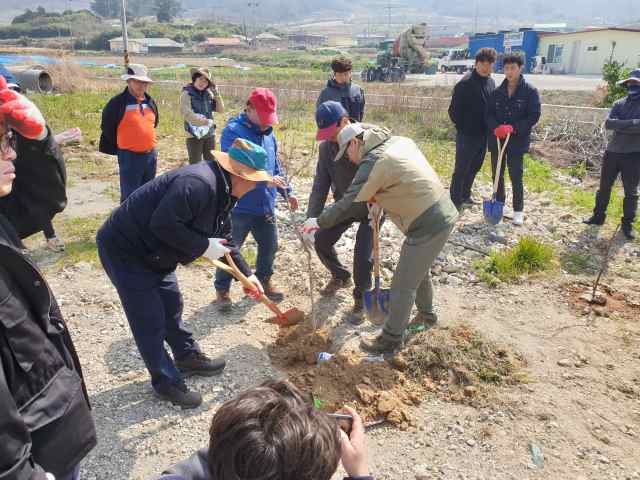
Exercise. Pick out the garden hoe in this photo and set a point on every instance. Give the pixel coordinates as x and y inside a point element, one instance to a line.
<point>291,317</point>
<point>492,208</point>
<point>376,301</point>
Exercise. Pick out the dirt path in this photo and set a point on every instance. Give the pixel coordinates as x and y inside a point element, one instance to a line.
<point>580,403</point>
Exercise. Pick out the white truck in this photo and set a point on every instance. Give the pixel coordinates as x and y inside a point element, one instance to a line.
<point>455,60</point>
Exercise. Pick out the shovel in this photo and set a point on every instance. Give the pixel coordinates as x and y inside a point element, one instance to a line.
<point>376,301</point>
<point>291,317</point>
<point>493,209</point>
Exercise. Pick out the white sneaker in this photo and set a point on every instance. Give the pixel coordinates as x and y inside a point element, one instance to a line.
<point>518,218</point>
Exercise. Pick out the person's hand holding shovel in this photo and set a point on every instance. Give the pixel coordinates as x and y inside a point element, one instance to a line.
<point>309,229</point>
<point>256,292</point>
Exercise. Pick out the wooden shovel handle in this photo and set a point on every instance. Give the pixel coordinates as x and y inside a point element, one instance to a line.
<point>233,269</point>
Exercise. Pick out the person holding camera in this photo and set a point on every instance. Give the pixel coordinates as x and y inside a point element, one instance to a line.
<point>198,101</point>
<point>273,432</point>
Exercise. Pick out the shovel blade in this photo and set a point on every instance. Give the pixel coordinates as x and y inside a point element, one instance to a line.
<point>493,211</point>
<point>376,304</point>
<point>289,318</point>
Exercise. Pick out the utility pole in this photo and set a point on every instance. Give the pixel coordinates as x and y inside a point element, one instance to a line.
<point>253,6</point>
<point>125,37</point>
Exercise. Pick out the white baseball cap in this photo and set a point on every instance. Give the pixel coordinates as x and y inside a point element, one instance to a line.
<point>137,71</point>
<point>345,136</point>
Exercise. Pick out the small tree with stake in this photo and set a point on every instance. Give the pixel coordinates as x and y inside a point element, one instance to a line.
<point>167,10</point>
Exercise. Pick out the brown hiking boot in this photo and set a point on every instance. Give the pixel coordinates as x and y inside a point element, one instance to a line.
<point>380,344</point>
<point>334,285</point>
<point>428,320</point>
<point>197,363</point>
<point>223,300</point>
<point>271,291</point>
<point>356,316</point>
<point>178,394</point>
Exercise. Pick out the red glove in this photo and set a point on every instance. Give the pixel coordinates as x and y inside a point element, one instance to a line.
<point>502,131</point>
<point>21,114</point>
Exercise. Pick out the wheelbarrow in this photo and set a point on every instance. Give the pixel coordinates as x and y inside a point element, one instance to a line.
<point>492,209</point>
<point>293,316</point>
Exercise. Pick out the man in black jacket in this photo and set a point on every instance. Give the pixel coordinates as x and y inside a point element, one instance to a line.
<point>335,175</point>
<point>129,123</point>
<point>341,89</point>
<point>514,108</point>
<point>468,112</point>
<point>622,156</point>
<point>175,219</point>
<point>45,418</point>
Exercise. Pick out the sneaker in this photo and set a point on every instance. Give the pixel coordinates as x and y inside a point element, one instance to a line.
<point>627,229</point>
<point>55,244</point>
<point>223,301</point>
<point>334,285</point>
<point>271,292</point>
<point>518,218</point>
<point>197,363</point>
<point>380,344</point>
<point>594,220</point>
<point>178,394</point>
<point>426,320</point>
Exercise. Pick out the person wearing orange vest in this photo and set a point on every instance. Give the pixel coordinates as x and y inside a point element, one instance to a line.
<point>129,123</point>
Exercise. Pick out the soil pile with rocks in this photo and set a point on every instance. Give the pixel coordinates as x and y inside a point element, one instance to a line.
<point>456,364</point>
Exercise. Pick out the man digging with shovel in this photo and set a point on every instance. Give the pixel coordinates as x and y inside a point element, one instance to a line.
<point>175,219</point>
<point>393,172</point>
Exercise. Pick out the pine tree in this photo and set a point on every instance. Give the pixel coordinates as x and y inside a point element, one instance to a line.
<point>167,10</point>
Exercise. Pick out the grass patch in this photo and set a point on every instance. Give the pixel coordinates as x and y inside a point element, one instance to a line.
<point>79,235</point>
<point>527,256</point>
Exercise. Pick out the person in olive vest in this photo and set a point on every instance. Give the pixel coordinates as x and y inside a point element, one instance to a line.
<point>198,101</point>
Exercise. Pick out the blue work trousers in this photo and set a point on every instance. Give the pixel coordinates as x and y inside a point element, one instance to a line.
<point>136,169</point>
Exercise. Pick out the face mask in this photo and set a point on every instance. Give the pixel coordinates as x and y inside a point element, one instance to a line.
<point>633,90</point>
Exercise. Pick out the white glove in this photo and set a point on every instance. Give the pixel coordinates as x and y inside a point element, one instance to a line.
<point>216,249</point>
<point>309,229</point>
<point>50,476</point>
<point>211,123</point>
<point>258,291</point>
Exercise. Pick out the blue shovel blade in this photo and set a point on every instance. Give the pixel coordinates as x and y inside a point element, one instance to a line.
<point>493,211</point>
<point>376,305</point>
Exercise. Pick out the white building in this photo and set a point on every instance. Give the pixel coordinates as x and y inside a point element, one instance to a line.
<point>585,52</point>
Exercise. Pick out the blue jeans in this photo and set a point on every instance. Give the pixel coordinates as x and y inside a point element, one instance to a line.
<point>153,304</point>
<point>264,231</point>
<point>136,169</point>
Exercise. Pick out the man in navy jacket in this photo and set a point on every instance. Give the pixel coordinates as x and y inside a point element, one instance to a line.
<point>175,219</point>
<point>514,107</point>
<point>255,213</point>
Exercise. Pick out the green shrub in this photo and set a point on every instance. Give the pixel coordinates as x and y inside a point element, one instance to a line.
<point>527,256</point>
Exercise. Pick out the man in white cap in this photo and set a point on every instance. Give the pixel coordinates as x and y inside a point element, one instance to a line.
<point>394,174</point>
<point>129,123</point>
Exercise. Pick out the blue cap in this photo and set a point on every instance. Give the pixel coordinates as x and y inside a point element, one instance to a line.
<point>328,114</point>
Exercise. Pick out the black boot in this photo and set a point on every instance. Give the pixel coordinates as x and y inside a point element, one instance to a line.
<point>595,220</point>
<point>197,363</point>
<point>178,394</point>
<point>627,229</point>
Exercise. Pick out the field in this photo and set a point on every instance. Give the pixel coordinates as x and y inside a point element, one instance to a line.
<point>520,361</point>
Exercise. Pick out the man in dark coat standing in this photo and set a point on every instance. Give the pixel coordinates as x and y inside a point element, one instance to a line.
<point>340,88</point>
<point>175,219</point>
<point>46,428</point>
<point>468,112</point>
<point>622,156</point>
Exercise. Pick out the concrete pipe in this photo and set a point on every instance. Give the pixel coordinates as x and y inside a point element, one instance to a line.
<point>34,79</point>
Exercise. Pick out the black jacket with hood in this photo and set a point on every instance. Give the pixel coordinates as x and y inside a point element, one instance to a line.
<point>350,95</point>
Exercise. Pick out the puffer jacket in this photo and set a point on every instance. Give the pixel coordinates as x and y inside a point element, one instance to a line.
<point>195,104</point>
<point>350,95</point>
<point>396,174</point>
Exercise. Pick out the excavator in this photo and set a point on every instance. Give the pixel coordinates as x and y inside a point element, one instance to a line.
<point>397,57</point>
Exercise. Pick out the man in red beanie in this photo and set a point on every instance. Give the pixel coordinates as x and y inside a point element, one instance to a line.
<point>255,212</point>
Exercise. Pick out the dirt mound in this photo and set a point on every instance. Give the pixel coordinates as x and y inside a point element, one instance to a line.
<point>608,301</point>
<point>456,364</point>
